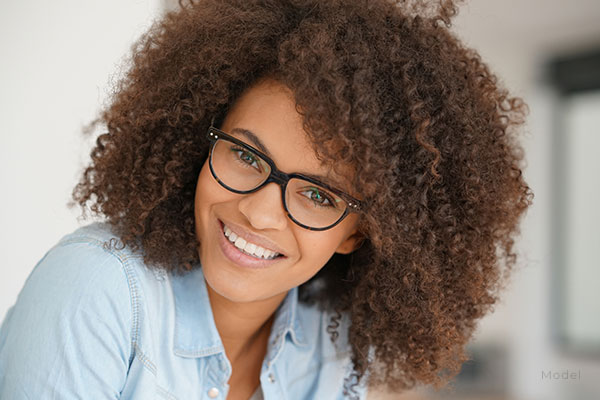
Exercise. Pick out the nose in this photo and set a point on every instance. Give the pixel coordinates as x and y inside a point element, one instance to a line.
<point>264,208</point>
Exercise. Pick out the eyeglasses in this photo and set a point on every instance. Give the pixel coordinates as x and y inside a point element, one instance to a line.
<point>243,169</point>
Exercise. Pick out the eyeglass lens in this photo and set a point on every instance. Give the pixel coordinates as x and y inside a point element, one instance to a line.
<point>244,170</point>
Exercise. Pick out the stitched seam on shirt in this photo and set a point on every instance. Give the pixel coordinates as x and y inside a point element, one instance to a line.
<point>149,365</point>
<point>164,392</point>
<point>131,283</point>
<point>199,353</point>
<point>135,327</point>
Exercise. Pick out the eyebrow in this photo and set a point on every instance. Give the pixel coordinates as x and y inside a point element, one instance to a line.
<point>251,136</point>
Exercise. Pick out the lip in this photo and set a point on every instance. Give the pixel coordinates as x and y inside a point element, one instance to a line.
<point>237,257</point>
<point>253,238</point>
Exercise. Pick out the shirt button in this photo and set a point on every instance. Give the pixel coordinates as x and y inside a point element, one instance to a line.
<point>271,378</point>
<point>213,393</point>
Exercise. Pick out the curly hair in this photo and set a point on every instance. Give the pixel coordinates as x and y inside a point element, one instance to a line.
<point>383,86</point>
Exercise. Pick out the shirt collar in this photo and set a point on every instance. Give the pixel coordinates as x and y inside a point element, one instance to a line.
<point>195,332</point>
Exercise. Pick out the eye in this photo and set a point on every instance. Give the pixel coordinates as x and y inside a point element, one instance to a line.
<point>246,158</point>
<point>319,197</point>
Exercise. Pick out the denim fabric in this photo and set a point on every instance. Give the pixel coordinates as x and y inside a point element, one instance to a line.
<point>97,323</point>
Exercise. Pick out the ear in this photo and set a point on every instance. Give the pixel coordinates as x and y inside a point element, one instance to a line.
<point>351,243</point>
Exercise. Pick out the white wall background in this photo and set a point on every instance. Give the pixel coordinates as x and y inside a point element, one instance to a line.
<point>56,61</point>
<point>582,239</point>
<point>57,58</point>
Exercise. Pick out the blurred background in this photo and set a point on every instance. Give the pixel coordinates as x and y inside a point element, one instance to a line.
<point>543,340</point>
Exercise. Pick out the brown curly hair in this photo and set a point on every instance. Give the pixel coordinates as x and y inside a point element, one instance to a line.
<point>383,86</point>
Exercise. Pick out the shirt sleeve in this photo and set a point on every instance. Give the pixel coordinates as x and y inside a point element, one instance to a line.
<point>69,334</point>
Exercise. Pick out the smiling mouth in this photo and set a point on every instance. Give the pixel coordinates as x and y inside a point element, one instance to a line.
<point>248,248</point>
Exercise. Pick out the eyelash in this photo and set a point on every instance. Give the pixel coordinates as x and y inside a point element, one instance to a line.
<point>322,194</point>
<point>237,149</point>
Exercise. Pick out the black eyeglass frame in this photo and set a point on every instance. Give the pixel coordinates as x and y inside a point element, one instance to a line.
<point>279,177</point>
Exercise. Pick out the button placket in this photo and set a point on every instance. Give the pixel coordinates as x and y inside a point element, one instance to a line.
<point>276,339</point>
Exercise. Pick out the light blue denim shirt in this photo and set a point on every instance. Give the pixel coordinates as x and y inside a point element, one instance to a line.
<point>97,323</point>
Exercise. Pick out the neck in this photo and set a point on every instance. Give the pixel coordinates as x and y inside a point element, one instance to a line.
<point>244,327</point>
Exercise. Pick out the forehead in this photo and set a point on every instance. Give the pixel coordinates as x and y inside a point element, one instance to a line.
<point>265,117</point>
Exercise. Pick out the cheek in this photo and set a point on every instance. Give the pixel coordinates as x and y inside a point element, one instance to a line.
<point>202,183</point>
<point>208,191</point>
<point>316,250</point>
<point>207,194</point>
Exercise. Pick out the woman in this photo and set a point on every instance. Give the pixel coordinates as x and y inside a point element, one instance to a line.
<point>301,199</point>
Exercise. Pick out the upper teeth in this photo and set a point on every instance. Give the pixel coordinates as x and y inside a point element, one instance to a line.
<point>247,247</point>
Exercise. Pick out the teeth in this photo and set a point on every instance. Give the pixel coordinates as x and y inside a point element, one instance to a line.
<point>240,243</point>
<point>247,247</point>
<point>259,251</point>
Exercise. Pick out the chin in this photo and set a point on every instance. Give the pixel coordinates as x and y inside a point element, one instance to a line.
<point>236,290</point>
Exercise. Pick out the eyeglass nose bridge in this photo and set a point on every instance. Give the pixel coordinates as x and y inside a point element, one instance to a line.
<point>281,179</point>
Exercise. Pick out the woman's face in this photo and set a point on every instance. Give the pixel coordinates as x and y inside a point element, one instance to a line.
<point>268,110</point>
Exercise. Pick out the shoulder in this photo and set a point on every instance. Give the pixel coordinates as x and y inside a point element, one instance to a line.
<point>77,308</point>
<point>78,275</point>
<point>81,282</point>
<point>82,266</point>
